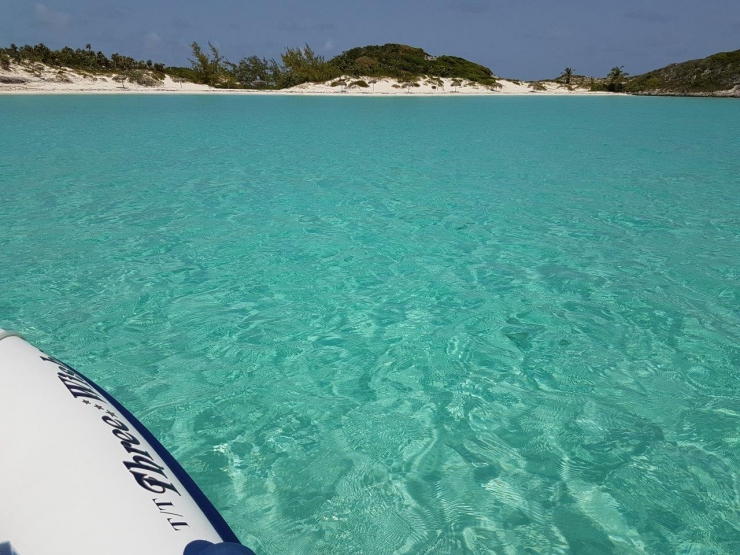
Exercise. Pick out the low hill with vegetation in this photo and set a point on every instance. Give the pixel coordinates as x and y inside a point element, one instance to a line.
<point>402,61</point>
<point>303,65</point>
<point>717,75</point>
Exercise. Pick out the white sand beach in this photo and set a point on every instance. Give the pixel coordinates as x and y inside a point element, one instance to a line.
<point>41,79</point>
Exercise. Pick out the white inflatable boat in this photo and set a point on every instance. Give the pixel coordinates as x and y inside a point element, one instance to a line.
<point>79,475</point>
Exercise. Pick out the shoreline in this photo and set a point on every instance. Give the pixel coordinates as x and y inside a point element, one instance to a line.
<point>238,92</point>
<point>44,80</point>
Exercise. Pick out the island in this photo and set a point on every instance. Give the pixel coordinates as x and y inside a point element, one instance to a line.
<point>390,69</point>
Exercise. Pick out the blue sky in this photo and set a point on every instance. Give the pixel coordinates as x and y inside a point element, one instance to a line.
<point>528,39</point>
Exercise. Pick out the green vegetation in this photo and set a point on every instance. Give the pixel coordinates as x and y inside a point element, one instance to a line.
<point>615,79</point>
<point>210,69</point>
<point>720,72</point>
<point>85,59</point>
<point>145,78</point>
<point>597,85</point>
<point>298,65</point>
<point>716,74</point>
<point>85,62</point>
<point>303,65</point>
<point>179,74</point>
<point>257,73</point>
<point>401,62</point>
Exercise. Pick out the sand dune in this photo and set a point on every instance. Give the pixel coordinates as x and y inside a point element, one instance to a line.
<point>40,79</point>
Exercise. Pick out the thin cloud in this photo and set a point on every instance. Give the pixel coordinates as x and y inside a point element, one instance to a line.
<point>152,41</point>
<point>49,17</point>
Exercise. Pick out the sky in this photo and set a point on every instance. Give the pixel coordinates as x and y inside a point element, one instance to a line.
<point>525,39</point>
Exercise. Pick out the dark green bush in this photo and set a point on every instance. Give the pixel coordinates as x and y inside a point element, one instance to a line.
<point>401,61</point>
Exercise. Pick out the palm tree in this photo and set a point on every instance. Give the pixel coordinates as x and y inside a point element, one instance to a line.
<point>567,74</point>
<point>616,78</point>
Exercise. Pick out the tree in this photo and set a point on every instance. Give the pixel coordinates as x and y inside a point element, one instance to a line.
<point>567,75</point>
<point>303,65</point>
<point>256,72</point>
<point>366,65</point>
<point>15,53</point>
<point>209,69</point>
<point>102,61</point>
<point>616,78</point>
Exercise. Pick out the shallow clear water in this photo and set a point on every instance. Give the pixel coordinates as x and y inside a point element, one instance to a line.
<point>486,325</point>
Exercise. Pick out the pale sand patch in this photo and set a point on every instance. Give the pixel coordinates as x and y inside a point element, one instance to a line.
<point>431,87</point>
<point>41,79</point>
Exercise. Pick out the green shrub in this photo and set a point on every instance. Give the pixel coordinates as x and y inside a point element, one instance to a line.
<point>596,86</point>
<point>491,84</point>
<point>143,78</point>
<point>360,83</point>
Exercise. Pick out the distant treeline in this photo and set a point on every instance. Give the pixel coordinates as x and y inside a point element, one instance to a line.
<point>294,67</point>
<point>84,59</point>
<point>720,72</point>
<point>303,65</point>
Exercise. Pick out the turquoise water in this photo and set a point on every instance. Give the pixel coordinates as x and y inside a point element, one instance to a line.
<point>424,326</point>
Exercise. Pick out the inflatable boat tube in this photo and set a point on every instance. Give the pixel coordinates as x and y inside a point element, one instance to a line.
<point>79,475</point>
